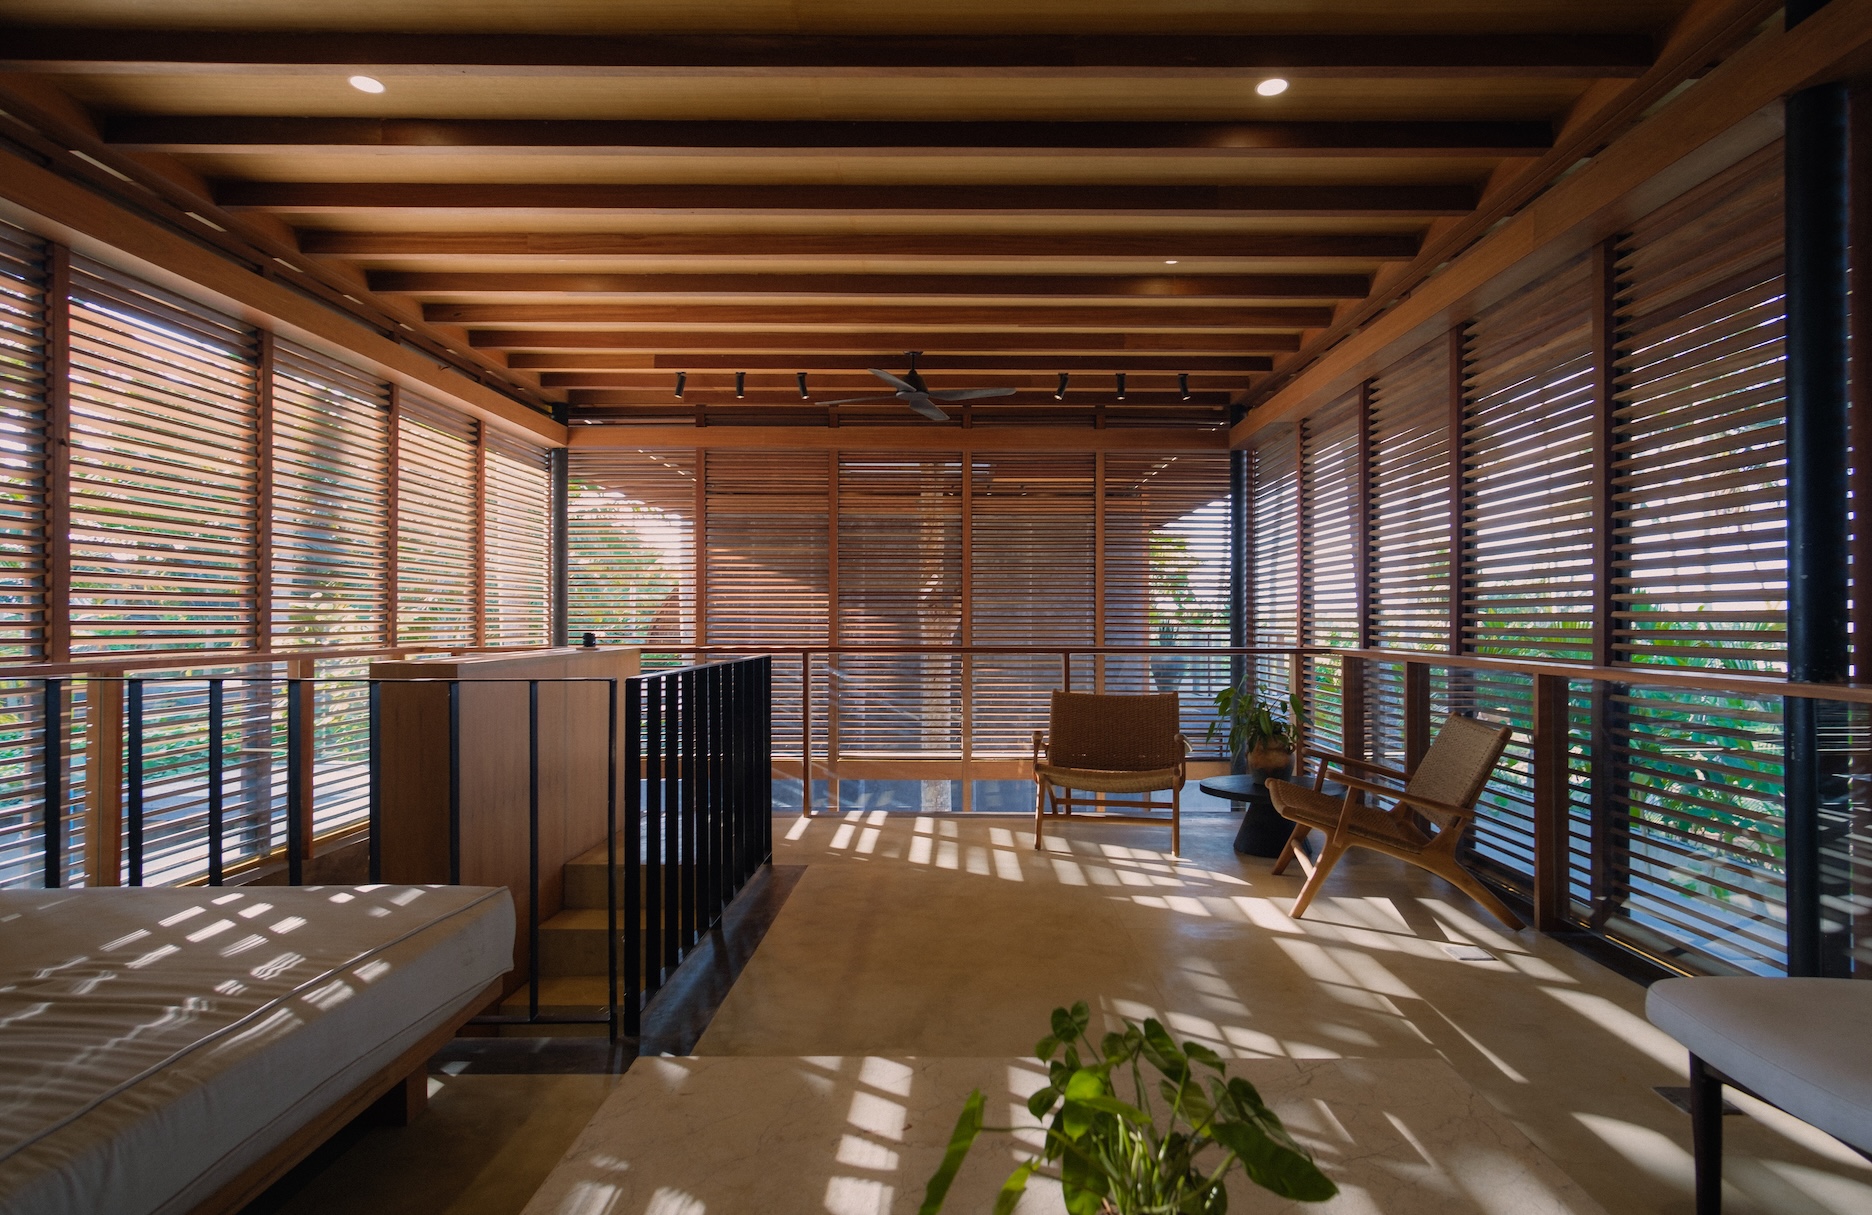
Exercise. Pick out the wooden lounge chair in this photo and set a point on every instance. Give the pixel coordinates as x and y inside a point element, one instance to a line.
<point>1110,744</point>
<point>1425,822</point>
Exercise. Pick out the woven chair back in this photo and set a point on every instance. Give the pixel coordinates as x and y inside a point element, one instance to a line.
<point>1458,764</point>
<point>1114,733</point>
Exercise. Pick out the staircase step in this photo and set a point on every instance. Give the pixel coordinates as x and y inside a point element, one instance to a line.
<point>572,943</point>
<point>585,879</point>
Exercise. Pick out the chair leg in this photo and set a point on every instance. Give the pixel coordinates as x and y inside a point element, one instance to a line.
<point>1706,1134</point>
<point>1292,846</point>
<point>1039,808</point>
<point>1466,882</point>
<point>1328,857</point>
<point>1176,821</point>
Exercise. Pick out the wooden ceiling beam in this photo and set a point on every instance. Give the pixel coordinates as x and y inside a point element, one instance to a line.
<point>1025,318</point>
<point>573,363</point>
<point>917,436</point>
<point>1377,246</point>
<point>221,134</point>
<point>711,383</point>
<point>584,398</point>
<point>1355,201</point>
<point>658,342</point>
<point>92,51</point>
<point>1066,287</point>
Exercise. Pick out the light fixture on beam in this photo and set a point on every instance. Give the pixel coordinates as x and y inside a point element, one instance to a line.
<point>1059,394</point>
<point>1121,388</point>
<point>1273,86</point>
<point>682,383</point>
<point>800,378</point>
<point>1183,384</point>
<point>740,385</point>
<point>366,84</point>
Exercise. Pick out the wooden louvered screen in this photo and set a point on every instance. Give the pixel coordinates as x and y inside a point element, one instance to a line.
<point>1408,532</point>
<point>1166,578</point>
<point>631,544</point>
<point>1274,545</point>
<point>1329,523</point>
<point>768,565</point>
<point>1031,574</point>
<point>899,584</point>
<point>437,524</point>
<point>163,454</point>
<point>22,543</point>
<point>516,542</point>
<point>331,501</point>
<point>1529,420</point>
<point>1700,461</point>
<point>22,443</point>
<point>1528,427</point>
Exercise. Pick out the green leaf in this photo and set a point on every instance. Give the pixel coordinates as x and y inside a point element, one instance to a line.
<point>1042,1101</point>
<point>967,1127</point>
<point>1043,1049</point>
<point>1269,1155</point>
<point>1013,1188</point>
<point>1162,1052</point>
<point>1111,1105</point>
<point>1063,1025</point>
<point>1203,1055</point>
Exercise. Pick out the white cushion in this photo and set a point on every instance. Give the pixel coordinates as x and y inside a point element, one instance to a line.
<point>1802,1044</point>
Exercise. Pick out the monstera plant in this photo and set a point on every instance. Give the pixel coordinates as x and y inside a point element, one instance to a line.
<point>1167,1155</point>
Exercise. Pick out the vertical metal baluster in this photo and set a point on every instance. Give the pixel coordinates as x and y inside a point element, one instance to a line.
<point>653,834</point>
<point>707,893</point>
<point>724,786</point>
<point>295,788</point>
<point>611,855</point>
<point>454,783</point>
<point>375,751</point>
<point>735,745</point>
<point>216,708</point>
<point>53,816</point>
<point>133,777</point>
<point>763,705</point>
<point>691,859</point>
<point>533,851</point>
<point>673,707</point>
<point>633,853</point>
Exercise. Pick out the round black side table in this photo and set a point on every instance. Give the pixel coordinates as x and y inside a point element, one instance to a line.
<point>1263,831</point>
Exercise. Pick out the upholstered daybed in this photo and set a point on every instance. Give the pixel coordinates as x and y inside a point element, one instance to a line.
<point>170,1050</point>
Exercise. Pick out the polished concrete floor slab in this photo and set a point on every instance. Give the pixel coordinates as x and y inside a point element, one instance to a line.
<point>860,1135</point>
<point>925,935</point>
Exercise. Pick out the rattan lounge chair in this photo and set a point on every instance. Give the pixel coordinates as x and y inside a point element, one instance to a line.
<point>1430,809</point>
<point>1101,744</point>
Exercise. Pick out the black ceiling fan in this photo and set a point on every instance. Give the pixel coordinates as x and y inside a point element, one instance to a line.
<point>912,391</point>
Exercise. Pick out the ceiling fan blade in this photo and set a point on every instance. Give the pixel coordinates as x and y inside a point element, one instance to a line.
<point>901,385</point>
<point>971,394</point>
<point>857,400</point>
<point>923,405</point>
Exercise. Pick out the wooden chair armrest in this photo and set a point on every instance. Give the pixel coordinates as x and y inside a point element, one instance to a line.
<point>1188,747</point>
<point>1347,761</point>
<point>1398,795</point>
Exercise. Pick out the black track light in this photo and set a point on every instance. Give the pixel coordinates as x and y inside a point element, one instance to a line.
<point>1121,392</point>
<point>1183,384</point>
<point>682,382</point>
<point>740,385</point>
<point>1059,394</point>
<point>801,378</point>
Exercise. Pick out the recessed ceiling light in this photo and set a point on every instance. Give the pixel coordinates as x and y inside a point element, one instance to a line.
<point>1170,261</point>
<point>370,84</point>
<point>1273,86</point>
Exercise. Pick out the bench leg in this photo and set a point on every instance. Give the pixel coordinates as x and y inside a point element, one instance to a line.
<point>1706,1132</point>
<point>406,1101</point>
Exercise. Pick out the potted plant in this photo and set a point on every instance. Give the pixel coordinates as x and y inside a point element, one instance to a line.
<point>1260,732</point>
<point>1140,1157</point>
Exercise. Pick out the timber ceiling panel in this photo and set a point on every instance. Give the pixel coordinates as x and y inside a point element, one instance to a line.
<point>591,197</point>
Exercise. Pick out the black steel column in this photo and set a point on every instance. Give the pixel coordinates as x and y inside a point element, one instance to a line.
<point>561,627</point>
<point>1238,619</point>
<point>1816,219</point>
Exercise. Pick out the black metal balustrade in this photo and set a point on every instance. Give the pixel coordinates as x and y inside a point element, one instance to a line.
<point>688,801</point>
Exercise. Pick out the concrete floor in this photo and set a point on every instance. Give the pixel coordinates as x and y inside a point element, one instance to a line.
<point>935,936</point>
